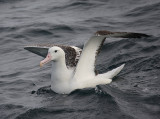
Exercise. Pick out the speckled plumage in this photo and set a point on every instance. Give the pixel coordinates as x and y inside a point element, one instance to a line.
<point>71,54</point>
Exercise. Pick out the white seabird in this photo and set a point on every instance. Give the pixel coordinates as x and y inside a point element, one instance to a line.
<point>78,71</point>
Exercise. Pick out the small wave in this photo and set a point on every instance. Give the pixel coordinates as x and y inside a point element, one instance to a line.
<point>150,49</point>
<point>11,75</point>
<point>37,32</point>
<point>72,5</point>
<point>62,28</point>
<point>143,10</point>
<point>52,112</point>
<point>153,100</point>
<point>83,92</point>
<point>10,111</point>
<point>8,29</point>
<point>18,85</point>
<point>151,63</point>
<point>50,31</point>
<point>9,1</point>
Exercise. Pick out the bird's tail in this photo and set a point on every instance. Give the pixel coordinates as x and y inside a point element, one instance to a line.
<point>114,72</point>
<point>106,78</point>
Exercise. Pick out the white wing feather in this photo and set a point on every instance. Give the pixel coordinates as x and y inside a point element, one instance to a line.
<point>86,64</point>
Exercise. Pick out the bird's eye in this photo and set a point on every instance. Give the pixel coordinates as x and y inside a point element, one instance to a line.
<point>55,51</point>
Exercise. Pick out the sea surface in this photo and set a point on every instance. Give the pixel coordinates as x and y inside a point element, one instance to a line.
<point>25,87</point>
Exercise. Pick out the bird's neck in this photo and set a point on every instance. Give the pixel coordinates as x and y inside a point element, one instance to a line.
<point>60,77</point>
<point>59,70</point>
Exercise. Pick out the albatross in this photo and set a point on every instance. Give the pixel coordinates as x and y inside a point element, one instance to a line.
<point>74,68</point>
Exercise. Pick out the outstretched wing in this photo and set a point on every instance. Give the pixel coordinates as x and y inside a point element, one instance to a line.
<point>86,64</point>
<point>72,53</point>
<point>109,34</point>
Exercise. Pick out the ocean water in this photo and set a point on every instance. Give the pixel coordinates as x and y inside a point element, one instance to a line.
<point>24,86</point>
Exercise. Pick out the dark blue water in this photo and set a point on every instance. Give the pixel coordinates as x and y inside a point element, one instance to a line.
<point>24,86</point>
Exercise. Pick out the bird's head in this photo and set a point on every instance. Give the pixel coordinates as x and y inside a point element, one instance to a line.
<point>54,54</point>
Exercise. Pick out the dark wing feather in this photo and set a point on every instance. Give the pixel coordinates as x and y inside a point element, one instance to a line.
<point>71,54</point>
<point>110,34</point>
